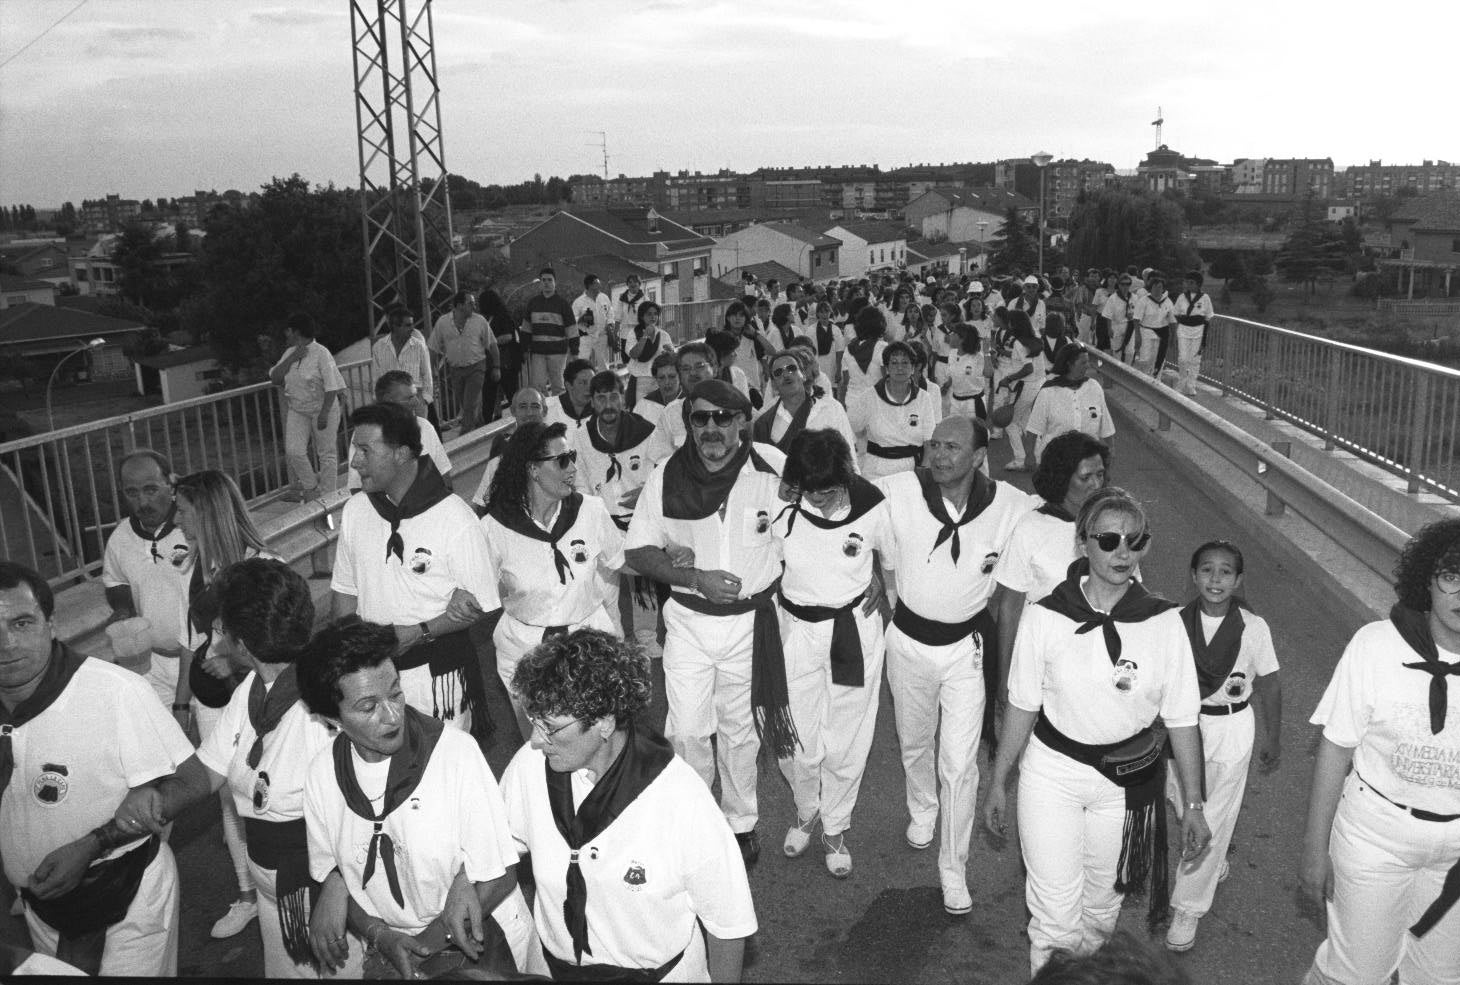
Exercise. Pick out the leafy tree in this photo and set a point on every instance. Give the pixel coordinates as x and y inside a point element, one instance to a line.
<point>1015,244</point>
<point>1314,250</point>
<point>141,276</point>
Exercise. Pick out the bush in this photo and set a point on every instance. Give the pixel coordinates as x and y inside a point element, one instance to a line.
<point>1367,288</point>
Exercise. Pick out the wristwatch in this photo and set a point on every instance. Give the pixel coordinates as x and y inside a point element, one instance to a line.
<point>426,636</point>
<point>1196,805</point>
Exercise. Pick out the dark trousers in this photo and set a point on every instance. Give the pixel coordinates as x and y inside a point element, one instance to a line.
<point>494,391</point>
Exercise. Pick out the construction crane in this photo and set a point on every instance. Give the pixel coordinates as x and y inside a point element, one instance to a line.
<point>1158,122</point>
<point>405,204</point>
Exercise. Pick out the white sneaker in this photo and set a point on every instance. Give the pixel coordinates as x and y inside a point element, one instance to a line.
<point>240,914</point>
<point>1182,933</point>
<point>919,836</point>
<point>956,900</point>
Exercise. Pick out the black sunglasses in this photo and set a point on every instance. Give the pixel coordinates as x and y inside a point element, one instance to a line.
<point>722,418</point>
<point>781,371</point>
<point>564,460</point>
<point>1111,541</point>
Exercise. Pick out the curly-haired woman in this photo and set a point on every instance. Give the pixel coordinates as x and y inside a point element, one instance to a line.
<point>1382,847</point>
<point>631,854</point>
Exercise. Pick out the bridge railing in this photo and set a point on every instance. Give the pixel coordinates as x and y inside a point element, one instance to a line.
<point>1398,413</point>
<point>59,499</point>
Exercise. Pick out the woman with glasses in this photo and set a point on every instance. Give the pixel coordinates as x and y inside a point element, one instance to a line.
<point>1382,846</point>
<point>831,633</point>
<point>640,350</point>
<point>212,515</point>
<point>797,407</point>
<point>261,748</point>
<point>1095,664</point>
<point>552,550</point>
<point>897,416</point>
<point>638,875</point>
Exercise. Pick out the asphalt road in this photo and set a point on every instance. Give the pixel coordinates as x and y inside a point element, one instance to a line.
<point>886,923</point>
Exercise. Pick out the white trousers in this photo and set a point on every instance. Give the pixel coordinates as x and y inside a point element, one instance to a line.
<point>513,638</point>
<point>277,963</point>
<point>834,722</point>
<point>144,943</point>
<point>162,675</point>
<point>707,682</point>
<point>1387,869</point>
<point>233,834</point>
<point>1227,746</point>
<point>1188,357</point>
<point>1071,820</point>
<point>417,685</point>
<point>875,467</point>
<point>938,699</point>
<point>299,434</point>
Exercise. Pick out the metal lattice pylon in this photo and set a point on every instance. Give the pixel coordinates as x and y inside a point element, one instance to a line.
<point>404,202</point>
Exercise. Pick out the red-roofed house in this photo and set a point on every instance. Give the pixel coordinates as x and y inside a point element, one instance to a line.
<point>812,255</point>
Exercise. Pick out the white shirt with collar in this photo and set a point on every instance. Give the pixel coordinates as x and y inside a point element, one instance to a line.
<point>414,358</point>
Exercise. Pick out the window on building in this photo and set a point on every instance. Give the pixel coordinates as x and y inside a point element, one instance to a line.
<point>702,266</point>
<point>667,271</point>
<point>816,259</point>
<point>871,256</point>
<point>1455,246</point>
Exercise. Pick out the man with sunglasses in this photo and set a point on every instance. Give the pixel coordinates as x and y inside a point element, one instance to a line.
<point>950,523</point>
<point>714,500</point>
<point>145,570</point>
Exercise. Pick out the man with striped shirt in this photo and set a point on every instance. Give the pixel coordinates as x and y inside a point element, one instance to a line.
<point>550,332</point>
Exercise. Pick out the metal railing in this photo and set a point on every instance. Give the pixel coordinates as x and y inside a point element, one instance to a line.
<point>1400,306</point>
<point>689,320</point>
<point>59,498</point>
<point>1398,413</point>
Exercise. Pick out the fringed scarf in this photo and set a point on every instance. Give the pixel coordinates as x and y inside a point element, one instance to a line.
<point>407,767</point>
<point>980,495</point>
<point>524,526</point>
<point>426,491</point>
<point>645,755</point>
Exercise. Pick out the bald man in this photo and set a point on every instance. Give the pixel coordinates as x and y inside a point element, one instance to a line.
<point>527,405</point>
<point>950,523</point>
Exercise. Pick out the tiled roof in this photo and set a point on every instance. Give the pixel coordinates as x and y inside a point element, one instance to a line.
<point>31,322</point>
<point>769,270</point>
<point>632,226</point>
<point>992,199</point>
<point>873,232</point>
<point>608,266</point>
<point>179,357</point>
<point>803,234</point>
<point>9,283</point>
<point>1438,211</point>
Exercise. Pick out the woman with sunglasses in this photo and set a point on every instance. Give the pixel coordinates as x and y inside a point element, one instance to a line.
<point>261,748</point>
<point>1382,847</point>
<point>798,406</point>
<point>1095,664</point>
<point>638,875</point>
<point>552,550</point>
<point>212,515</point>
<point>897,416</point>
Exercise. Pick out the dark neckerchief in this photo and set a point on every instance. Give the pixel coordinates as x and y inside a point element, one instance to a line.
<point>169,524</point>
<point>62,667</point>
<point>862,496</point>
<point>1056,510</point>
<point>267,708</point>
<point>862,351</point>
<point>692,491</point>
<point>881,387</point>
<point>426,491</point>
<point>761,429</point>
<point>1215,659</point>
<point>631,298</point>
<point>633,431</point>
<point>524,526</point>
<point>1056,382</point>
<point>639,333</point>
<point>566,402</point>
<point>980,495</point>
<point>1414,629</point>
<point>824,338</point>
<point>788,335</point>
<point>645,755</point>
<point>1136,605</point>
<point>407,767</point>
<point>656,396</point>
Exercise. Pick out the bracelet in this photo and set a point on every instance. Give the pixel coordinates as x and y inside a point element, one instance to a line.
<point>1196,805</point>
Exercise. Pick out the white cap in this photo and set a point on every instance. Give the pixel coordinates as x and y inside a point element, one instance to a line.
<point>1031,279</point>
<point>975,288</point>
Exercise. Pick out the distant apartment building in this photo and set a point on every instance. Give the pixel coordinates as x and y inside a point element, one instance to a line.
<point>38,260</point>
<point>1377,178</point>
<point>965,214</point>
<point>1065,181</point>
<point>773,188</point>
<point>812,255</point>
<point>1247,175</point>
<point>1297,176</point>
<point>109,214</point>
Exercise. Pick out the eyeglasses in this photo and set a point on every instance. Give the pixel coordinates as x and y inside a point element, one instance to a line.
<point>694,367</point>
<point>781,371</point>
<point>1110,541</point>
<point>1448,582</point>
<point>564,460</point>
<point>722,418</point>
<point>549,734</point>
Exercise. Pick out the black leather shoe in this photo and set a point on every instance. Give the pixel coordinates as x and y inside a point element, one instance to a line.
<point>749,846</point>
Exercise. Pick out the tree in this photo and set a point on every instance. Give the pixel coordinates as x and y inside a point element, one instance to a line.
<point>141,276</point>
<point>1314,249</point>
<point>1014,244</point>
<point>297,249</point>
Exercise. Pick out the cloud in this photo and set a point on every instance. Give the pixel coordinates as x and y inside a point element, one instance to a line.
<point>294,17</point>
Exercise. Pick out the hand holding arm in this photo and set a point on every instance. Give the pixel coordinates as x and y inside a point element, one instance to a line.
<point>327,923</point>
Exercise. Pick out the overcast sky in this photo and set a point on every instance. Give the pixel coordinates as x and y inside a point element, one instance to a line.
<point>153,98</point>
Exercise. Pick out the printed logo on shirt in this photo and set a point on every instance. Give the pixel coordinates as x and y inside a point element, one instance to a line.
<point>1125,675</point>
<point>52,785</point>
<point>634,878</point>
<point>853,545</point>
<point>1420,756</point>
<point>912,420</point>
<point>762,521</point>
<point>989,560</point>
<point>261,793</point>
<point>1094,413</point>
<point>1237,687</point>
<point>579,550</point>
<point>179,556</point>
<point>634,462</point>
<point>421,560</point>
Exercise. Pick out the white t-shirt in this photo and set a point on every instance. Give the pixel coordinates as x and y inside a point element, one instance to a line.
<point>859,381</point>
<point>603,314</point>
<point>890,425</point>
<point>310,379</point>
<point>75,762</point>
<point>825,413</point>
<point>669,431</point>
<point>1182,304</point>
<point>1155,314</point>
<point>445,549</point>
<point>631,468</point>
<point>826,362</point>
<point>831,566</point>
<point>1038,554</point>
<point>528,577</point>
<point>559,412</point>
<point>1380,709</point>
<point>1255,658</point>
<point>431,447</point>
<point>454,818</point>
<point>157,573</point>
<point>932,585</point>
<point>1058,409</point>
<point>668,860</point>
<point>741,543</point>
<point>489,472</point>
<point>1071,677</point>
<point>285,760</point>
<point>965,373</point>
<point>643,369</point>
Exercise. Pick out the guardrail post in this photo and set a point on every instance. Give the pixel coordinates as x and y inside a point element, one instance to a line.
<point>1272,347</point>
<point>1419,429</point>
<point>1331,411</point>
<point>1163,423</point>
<point>1275,506</point>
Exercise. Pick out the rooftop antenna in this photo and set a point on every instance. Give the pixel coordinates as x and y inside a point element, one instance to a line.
<point>1157,122</point>
<point>602,145</point>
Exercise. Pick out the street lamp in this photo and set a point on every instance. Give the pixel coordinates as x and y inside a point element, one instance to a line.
<point>84,347</point>
<point>1040,160</point>
<point>983,248</point>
